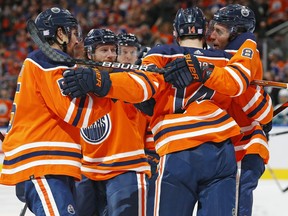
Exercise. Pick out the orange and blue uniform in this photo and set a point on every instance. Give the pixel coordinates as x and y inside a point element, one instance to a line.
<point>251,106</point>
<point>113,154</point>
<point>114,144</point>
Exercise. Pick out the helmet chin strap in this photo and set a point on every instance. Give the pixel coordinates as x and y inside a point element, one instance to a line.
<point>64,47</point>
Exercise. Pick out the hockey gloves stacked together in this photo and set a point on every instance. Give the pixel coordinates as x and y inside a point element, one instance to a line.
<point>183,71</point>
<point>78,82</point>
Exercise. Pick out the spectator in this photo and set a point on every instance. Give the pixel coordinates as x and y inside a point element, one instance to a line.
<point>5,107</point>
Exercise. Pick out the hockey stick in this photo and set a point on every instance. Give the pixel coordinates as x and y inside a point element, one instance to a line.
<point>279,133</point>
<point>23,210</point>
<point>1,137</point>
<point>270,83</point>
<point>55,56</point>
<point>280,108</point>
<point>276,85</point>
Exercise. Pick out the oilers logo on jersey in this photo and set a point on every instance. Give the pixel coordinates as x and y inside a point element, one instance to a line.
<point>98,131</point>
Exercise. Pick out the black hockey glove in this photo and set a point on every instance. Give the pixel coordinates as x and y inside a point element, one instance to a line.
<point>183,71</point>
<point>146,107</point>
<point>78,82</point>
<point>267,128</point>
<point>143,52</point>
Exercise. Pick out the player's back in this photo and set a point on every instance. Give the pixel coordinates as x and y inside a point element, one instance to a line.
<point>203,113</point>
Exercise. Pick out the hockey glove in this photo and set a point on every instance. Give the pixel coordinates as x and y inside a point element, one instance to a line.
<point>183,71</point>
<point>146,107</point>
<point>78,82</point>
<point>142,54</point>
<point>267,128</point>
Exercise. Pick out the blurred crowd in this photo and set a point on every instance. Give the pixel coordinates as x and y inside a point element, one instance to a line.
<point>150,20</point>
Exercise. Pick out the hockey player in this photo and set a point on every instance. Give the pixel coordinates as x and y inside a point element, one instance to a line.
<point>42,150</point>
<point>114,163</point>
<point>252,151</point>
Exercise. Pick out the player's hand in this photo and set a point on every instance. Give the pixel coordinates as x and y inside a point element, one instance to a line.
<point>78,82</point>
<point>143,52</point>
<point>267,128</point>
<point>183,71</point>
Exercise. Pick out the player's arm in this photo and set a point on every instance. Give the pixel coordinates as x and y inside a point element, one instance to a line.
<point>232,80</point>
<point>132,86</point>
<point>135,87</point>
<point>79,112</point>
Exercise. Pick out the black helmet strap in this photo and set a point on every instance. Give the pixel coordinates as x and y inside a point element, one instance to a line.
<point>64,44</point>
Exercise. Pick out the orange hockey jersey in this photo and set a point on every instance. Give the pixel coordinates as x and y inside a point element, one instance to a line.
<point>114,144</point>
<point>43,136</point>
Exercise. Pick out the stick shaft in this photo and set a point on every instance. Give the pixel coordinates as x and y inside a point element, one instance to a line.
<point>279,133</point>
<point>55,56</point>
<point>23,210</point>
<point>270,83</point>
<point>280,108</point>
<point>1,137</point>
<point>276,85</point>
<point>275,178</point>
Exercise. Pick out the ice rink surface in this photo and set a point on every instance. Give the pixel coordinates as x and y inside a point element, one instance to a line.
<point>269,200</point>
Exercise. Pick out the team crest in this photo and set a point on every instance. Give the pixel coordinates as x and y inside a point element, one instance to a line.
<point>55,10</point>
<point>245,12</point>
<point>98,131</point>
